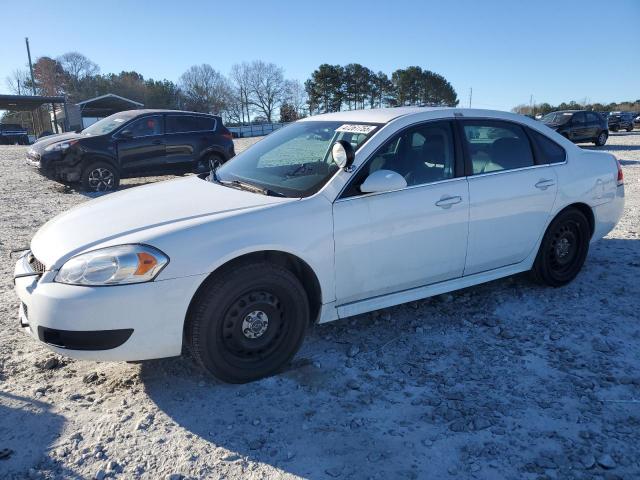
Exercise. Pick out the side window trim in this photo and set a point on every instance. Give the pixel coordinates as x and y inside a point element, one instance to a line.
<point>457,155</point>
<point>468,165</point>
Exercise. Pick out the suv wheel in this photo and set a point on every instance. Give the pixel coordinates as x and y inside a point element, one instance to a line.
<point>210,162</point>
<point>601,139</point>
<point>100,177</point>
<point>563,249</point>
<point>630,128</point>
<point>248,322</point>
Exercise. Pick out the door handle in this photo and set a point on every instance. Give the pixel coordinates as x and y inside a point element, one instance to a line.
<point>157,142</point>
<point>544,184</point>
<point>447,202</point>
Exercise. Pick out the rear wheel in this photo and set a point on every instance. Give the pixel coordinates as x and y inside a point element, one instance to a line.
<point>248,322</point>
<point>630,128</point>
<point>601,139</point>
<point>100,177</point>
<point>563,250</point>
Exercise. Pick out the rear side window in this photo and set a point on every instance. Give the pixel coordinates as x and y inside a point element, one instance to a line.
<point>495,146</point>
<point>548,151</point>
<point>593,117</point>
<point>189,123</point>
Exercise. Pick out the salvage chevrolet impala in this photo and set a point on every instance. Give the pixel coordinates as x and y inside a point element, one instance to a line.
<point>332,216</point>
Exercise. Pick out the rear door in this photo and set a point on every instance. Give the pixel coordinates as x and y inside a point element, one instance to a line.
<point>141,147</point>
<point>511,196</point>
<point>188,136</point>
<point>579,128</point>
<point>593,124</point>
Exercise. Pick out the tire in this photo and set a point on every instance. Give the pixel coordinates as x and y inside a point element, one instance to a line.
<point>248,322</point>
<point>211,161</point>
<point>601,139</point>
<point>100,177</point>
<point>629,129</point>
<point>563,249</point>
<point>614,129</point>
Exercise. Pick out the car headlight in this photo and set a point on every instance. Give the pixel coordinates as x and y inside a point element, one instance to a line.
<point>119,265</point>
<point>61,146</point>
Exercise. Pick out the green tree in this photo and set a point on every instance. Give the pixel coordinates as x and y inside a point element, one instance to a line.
<point>356,85</point>
<point>325,89</point>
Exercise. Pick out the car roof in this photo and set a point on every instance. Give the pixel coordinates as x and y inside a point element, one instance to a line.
<point>386,115</point>
<point>144,111</point>
<point>373,115</point>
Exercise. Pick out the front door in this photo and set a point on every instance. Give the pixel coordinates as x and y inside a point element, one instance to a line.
<point>510,196</point>
<point>141,147</point>
<point>392,241</point>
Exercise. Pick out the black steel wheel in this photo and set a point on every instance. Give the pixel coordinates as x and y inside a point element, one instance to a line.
<point>248,322</point>
<point>563,250</point>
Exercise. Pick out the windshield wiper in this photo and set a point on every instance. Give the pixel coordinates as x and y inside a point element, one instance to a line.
<point>251,188</point>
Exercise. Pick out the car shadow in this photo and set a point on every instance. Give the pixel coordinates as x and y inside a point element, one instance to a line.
<point>28,430</point>
<point>323,418</point>
<point>612,148</point>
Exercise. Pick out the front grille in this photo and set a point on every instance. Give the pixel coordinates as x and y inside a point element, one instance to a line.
<point>36,265</point>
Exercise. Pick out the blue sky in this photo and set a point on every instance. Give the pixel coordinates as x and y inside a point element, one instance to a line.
<point>505,50</point>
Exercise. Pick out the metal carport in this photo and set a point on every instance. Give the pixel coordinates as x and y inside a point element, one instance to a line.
<point>30,103</point>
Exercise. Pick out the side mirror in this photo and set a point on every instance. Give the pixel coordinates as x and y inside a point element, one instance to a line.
<point>383,181</point>
<point>343,154</point>
<point>126,133</point>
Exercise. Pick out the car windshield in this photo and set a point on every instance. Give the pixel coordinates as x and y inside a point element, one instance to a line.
<point>557,118</point>
<point>294,161</point>
<point>108,124</point>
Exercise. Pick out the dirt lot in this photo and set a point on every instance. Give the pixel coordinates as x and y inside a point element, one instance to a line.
<point>506,380</point>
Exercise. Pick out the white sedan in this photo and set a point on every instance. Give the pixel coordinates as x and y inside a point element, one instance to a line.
<point>332,216</point>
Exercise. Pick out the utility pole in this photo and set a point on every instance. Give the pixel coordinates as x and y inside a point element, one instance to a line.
<point>470,96</point>
<point>531,104</point>
<point>33,83</point>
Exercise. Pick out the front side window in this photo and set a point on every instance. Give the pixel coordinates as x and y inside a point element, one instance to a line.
<point>422,154</point>
<point>146,126</point>
<point>495,146</point>
<point>189,123</point>
<point>593,117</point>
<point>294,161</point>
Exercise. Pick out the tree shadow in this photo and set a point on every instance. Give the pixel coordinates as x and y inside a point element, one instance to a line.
<point>28,428</point>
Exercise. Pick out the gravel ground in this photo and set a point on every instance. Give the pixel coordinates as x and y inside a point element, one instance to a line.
<point>505,380</point>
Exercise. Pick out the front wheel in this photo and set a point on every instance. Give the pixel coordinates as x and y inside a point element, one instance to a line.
<point>100,177</point>
<point>601,139</point>
<point>210,162</point>
<point>629,129</point>
<point>248,322</point>
<point>563,249</point>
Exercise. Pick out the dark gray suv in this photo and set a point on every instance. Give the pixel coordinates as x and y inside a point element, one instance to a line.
<point>578,125</point>
<point>134,143</point>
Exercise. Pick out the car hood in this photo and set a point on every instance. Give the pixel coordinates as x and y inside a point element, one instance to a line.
<point>51,139</point>
<point>132,213</point>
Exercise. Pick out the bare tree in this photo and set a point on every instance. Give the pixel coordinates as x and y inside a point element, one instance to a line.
<point>19,82</point>
<point>267,86</point>
<point>205,89</point>
<point>240,76</point>
<point>296,96</point>
<point>77,67</point>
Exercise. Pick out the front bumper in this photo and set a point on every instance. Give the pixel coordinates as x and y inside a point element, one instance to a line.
<point>119,323</point>
<point>55,165</point>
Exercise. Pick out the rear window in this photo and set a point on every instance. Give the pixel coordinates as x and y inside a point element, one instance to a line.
<point>189,123</point>
<point>547,150</point>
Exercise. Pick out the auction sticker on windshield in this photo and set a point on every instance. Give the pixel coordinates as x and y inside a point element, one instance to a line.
<point>351,128</point>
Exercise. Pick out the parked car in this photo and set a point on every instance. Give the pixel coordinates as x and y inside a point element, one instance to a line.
<point>332,216</point>
<point>13,134</point>
<point>620,121</point>
<point>578,125</point>
<point>134,143</point>
<point>636,122</point>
